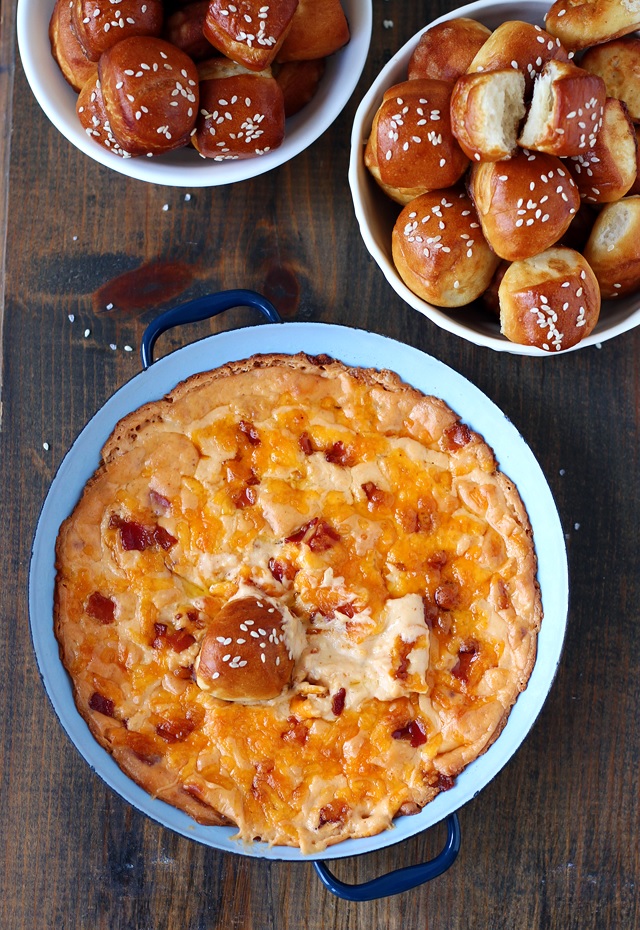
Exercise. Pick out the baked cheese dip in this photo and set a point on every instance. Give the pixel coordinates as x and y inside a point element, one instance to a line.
<point>296,597</point>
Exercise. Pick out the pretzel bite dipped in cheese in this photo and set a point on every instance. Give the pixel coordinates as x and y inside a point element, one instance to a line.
<point>249,32</point>
<point>439,250</point>
<point>241,112</point>
<point>446,50</point>
<point>317,30</point>
<point>550,301</point>
<point>93,117</point>
<point>72,60</point>
<point>247,653</point>
<point>582,23</point>
<point>613,249</point>
<point>150,92</point>
<point>618,64</point>
<point>608,170</point>
<point>524,204</point>
<point>521,46</point>
<point>486,111</point>
<point>101,24</point>
<point>183,28</point>
<point>566,110</point>
<point>411,148</point>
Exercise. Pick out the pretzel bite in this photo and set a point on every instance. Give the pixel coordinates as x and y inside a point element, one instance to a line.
<point>150,91</point>
<point>607,171</point>
<point>93,117</point>
<point>551,300</point>
<point>249,32</point>
<point>521,46</point>
<point>100,24</point>
<point>565,115</point>
<point>581,23</point>
<point>184,29</point>
<point>486,110</point>
<point>439,250</point>
<point>525,204</point>
<point>317,31</point>
<point>245,655</point>
<point>618,64</point>
<point>76,68</point>
<point>613,249</point>
<point>445,51</point>
<point>411,148</point>
<point>241,112</point>
<point>299,81</point>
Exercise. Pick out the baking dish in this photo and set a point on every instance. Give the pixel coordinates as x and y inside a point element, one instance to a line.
<point>354,347</point>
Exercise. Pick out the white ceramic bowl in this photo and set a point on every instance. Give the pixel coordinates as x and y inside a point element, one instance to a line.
<point>376,213</point>
<point>184,167</point>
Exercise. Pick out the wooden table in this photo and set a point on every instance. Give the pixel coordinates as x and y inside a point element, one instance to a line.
<point>552,841</point>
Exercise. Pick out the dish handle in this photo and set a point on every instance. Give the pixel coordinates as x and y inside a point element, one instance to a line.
<point>400,879</point>
<point>203,308</point>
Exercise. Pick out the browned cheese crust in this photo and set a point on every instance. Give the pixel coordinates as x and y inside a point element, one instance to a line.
<point>334,522</point>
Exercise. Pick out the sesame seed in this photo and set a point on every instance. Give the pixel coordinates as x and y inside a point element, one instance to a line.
<point>45,446</point>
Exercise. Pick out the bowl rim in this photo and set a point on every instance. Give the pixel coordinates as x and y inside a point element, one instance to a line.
<point>360,177</point>
<point>352,346</point>
<point>184,167</point>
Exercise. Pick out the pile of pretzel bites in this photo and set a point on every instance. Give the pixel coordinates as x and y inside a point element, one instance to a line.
<point>221,76</point>
<point>515,156</point>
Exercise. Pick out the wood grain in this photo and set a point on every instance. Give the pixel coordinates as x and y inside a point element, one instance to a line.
<point>552,841</point>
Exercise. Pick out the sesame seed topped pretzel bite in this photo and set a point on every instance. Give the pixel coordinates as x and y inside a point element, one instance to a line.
<point>150,91</point>
<point>581,23</point>
<point>608,170</point>
<point>521,46</point>
<point>93,116</point>
<point>486,110</point>
<point>566,110</point>
<point>439,249</point>
<point>550,300</point>
<point>249,32</point>
<point>72,59</point>
<point>100,24</point>
<point>241,112</point>
<point>525,204</point>
<point>411,148</point>
<point>317,30</point>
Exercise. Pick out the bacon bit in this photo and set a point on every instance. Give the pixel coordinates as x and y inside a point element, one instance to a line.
<point>413,732</point>
<point>374,494</point>
<point>180,640</point>
<point>297,732</point>
<point>185,672</point>
<point>306,444</point>
<point>339,454</point>
<point>102,704</point>
<point>457,436</point>
<point>445,782</point>
<point>193,616</point>
<point>249,430</point>
<point>438,559</point>
<point>337,702</point>
<point>136,537</point>
<point>159,501</point>
<point>144,748</point>
<point>430,612</point>
<point>164,538</point>
<point>244,498</point>
<point>160,629</point>
<point>252,478</point>
<point>447,596</point>
<point>323,538</point>
<point>175,731</point>
<point>101,608</point>
<point>194,792</point>
<point>347,609</point>
<point>333,812</point>
<point>467,655</point>
<point>280,569</point>
<point>263,776</point>
<point>299,534</point>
